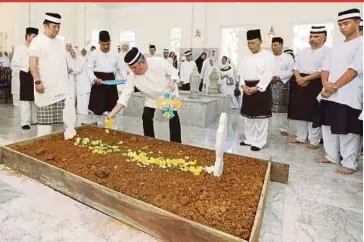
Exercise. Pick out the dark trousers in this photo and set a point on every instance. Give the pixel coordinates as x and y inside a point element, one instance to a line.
<point>174,125</point>
<point>185,87</point>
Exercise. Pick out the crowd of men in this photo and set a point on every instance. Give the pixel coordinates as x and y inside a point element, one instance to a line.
<point>321,89</point>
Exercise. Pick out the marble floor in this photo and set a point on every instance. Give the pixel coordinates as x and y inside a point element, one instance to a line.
<point>316,205</point>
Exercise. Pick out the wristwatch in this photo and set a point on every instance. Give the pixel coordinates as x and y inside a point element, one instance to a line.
<point>38,82</point>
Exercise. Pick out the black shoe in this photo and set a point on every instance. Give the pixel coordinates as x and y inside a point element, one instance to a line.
<point>243,144</point>
<point>25,127</point>
<point>254,148</point>
<point>321,141</point>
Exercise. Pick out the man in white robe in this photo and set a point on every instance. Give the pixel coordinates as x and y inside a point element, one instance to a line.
<point>104,64</point>
<point>15,86</point>
<point>186,69</point>
<point>124,48</point>
<point>166,56</point>
<point>152,76</point>
<point>342,97</point>
<point>82,83</point>
<point>71,64</point>
<point>47,58</point>
<point>20,62</point>
<point>283,71</point>
<point>256,74</point>
<point>305,88</point>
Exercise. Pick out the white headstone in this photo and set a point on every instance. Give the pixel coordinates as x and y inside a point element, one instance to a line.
<point>221,135</point>
<point>195,80</point>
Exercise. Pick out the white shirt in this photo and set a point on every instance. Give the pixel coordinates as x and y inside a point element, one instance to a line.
<point>206,63</point>
<point>311,60</point>
<point>109,62</point>
<point>344,56</point>
<point>259,66</point>
<point>153,83</point>
<point>283,67</point>
<point>186,69</point>
<point>170,60</point>
<point>20,60</point>
<point>4,61</point>
<point>83,83</point>
<point>52,66</point>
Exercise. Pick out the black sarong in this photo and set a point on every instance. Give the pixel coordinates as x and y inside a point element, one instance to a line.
<point>103,97</point>
<point>257,105</point>
<point>303,104</point>
<point>26,86</point>
<point>341,118</point>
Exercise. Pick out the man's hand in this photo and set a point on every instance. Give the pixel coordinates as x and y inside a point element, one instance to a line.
<point>99,81</point>
<point>275,79</point>
<point>115,111</point>
<point>39,88</point>
<point>325,94</point>
<point>253,90</point>
<point>329,88</point>
<point>246,90</point>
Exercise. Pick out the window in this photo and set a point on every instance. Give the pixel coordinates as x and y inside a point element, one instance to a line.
<point>175,39</point>
<point>301,33</point>
<point>129,37</point>
<point>234,43</point>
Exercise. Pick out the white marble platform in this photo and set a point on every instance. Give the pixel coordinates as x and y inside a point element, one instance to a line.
<point>316,205</point>
<point>201,112</point>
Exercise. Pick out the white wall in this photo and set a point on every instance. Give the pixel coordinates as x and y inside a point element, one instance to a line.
<point>152,21</point>
<point>78,20</point>
<point>8,24</point>
<point>282,16</point>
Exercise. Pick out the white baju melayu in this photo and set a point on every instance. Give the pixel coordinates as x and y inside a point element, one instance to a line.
<point>71,64</point>
<point>20,62</point>
<point>206,76</point>
<point>83,84</point>
<point>158,78</point>
<point>257,68</point>
<point>53,73</point>
<point>309,61</point>
<point>126,68</point>
<point>228,83</point>
<point>185,70</point>
<point>341,132</point>
<point>15,86</point>
<point>283,69</point>
<point>170,60</point>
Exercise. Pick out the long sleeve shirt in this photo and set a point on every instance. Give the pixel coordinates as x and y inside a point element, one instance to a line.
<point>258,67</point>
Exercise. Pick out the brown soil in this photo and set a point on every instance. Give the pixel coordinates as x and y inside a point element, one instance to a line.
<point>227,203</point>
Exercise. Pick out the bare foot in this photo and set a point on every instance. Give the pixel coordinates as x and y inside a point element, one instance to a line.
<point>322,160</point>
<point>311,147</point>
<point>284,133</point>
<point>295,141</point>
<point>344,171</point>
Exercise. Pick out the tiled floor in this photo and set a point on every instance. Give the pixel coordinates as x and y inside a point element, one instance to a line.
<point>316,205</point>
